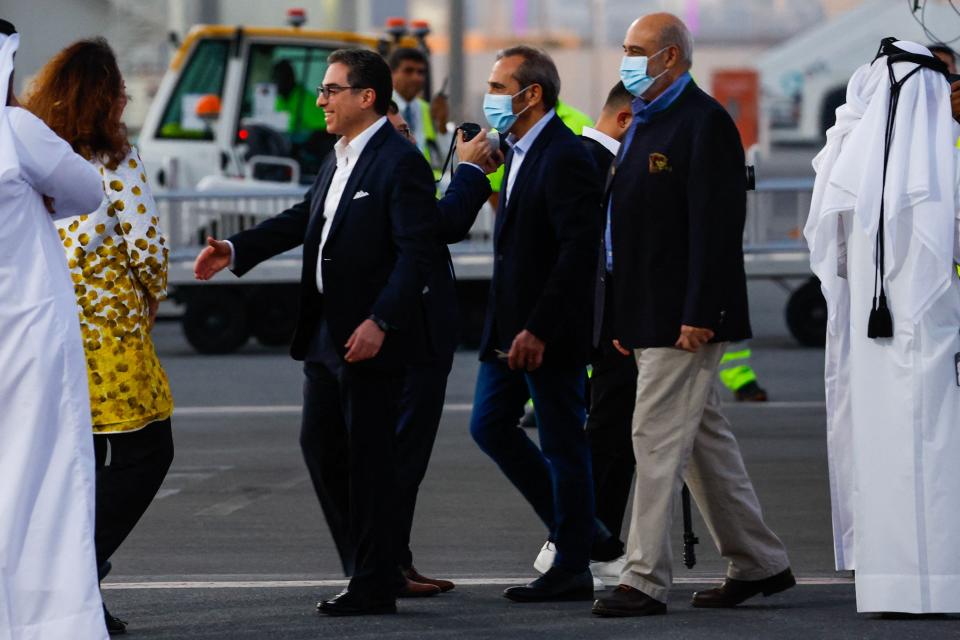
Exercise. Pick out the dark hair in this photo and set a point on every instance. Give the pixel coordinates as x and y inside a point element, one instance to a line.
<point>77,94</point>
<point>537,68</point>
<point>939,47</point>
<point>7,28</point>
<point>402,54</point>
<point>393,108</point>
<point>367,70</point>
<point>618,97</point>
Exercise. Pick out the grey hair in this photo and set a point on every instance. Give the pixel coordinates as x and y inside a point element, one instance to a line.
<point>537,68</point>
<point>676,34</point>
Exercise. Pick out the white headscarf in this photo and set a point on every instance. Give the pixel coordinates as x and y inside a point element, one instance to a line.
<point>9,163</point>
<point>920,174</point>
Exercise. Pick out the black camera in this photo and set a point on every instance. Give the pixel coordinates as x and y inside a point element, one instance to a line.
<point>470,130</point>
<point>751,178</point>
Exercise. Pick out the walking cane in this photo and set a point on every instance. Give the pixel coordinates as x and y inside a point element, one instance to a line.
<point>689,537</point>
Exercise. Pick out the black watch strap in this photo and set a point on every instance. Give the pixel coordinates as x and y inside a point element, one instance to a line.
<point>380,323</point>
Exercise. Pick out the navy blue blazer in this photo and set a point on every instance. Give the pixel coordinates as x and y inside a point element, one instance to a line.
<point>546,250</point>
<point>457,209</point>
<point>378,253</point>
<point>679,199</point>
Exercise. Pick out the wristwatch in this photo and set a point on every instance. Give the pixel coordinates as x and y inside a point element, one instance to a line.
<point>380,323</point>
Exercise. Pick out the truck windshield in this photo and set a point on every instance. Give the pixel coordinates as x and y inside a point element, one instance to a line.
<point>278,112</point>
<point>200,85</point>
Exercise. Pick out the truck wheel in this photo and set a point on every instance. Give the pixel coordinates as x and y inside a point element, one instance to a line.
<point>807,314</point>
<point>272,311</point>
<point>215,320</point>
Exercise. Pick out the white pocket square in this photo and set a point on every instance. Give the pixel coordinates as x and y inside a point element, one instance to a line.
<point>360,194</point>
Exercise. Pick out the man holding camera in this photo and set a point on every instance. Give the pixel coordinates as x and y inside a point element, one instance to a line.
<point>537,334</point>
<point>676,203</point>
<point>425,383</point>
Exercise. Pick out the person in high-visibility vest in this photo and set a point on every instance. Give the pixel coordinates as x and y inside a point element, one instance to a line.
<point>427,122</point>
<point>737,375</point>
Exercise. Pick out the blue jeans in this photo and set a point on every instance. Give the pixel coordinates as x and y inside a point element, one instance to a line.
<point>556,478</point>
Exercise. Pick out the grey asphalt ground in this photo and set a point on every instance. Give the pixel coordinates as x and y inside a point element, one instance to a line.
<point>236,547</point>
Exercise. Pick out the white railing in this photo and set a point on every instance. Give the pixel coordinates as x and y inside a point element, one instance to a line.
<point>773,240</point>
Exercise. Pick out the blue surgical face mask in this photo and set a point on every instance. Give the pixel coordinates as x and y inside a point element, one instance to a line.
<point>498,110</point>
<point>633,73</point>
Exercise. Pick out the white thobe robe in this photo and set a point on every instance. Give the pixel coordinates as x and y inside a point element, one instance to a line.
<point>48,573</point>
<point>893,404</point>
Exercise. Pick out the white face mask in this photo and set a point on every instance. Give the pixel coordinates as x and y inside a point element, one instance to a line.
<point>633,73</point>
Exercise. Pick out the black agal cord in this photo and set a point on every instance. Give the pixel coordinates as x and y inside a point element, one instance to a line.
<point>880,324</point>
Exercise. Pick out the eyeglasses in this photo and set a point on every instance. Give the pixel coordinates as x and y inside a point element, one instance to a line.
<point>327,90</point>
<point>404,130</point>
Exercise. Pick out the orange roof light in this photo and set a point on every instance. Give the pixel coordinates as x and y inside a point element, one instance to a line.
<point>208,107</point>
<point>296,17</point>
<point>420,28</point>
<point>397,27</point>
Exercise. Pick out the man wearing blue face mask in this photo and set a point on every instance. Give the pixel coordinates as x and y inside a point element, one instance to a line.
<point>537,334</point>
<point>675,205</point>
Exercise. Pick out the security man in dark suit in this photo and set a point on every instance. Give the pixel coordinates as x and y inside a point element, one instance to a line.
<point>613,383</point>
<point>367,226</point>
<point>426,380</point>
<point>676,203</point>
<point>537,334</point>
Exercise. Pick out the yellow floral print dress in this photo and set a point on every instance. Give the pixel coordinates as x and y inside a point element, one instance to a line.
<point>118,260</point>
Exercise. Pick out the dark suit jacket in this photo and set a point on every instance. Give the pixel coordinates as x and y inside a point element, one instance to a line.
<point>545,250</point>
<point>458,209</point>
<point>603,159</point>
<point>679,202</point>
<point>600,154</point>
<point>378,252</point>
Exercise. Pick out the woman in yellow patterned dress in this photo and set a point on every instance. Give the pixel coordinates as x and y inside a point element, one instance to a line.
<point>118,261</point>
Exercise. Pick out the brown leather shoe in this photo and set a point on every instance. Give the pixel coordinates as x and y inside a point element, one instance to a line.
<point>414,589</point>
<point>733,592</point>
<point>625,601</point>
<point>413,574</point>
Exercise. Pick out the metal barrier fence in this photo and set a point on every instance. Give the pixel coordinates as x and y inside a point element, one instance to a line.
<point>776,213</point>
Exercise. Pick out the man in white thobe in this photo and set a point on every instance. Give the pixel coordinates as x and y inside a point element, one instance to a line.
<point>893,401</point>
<point>48,574</point>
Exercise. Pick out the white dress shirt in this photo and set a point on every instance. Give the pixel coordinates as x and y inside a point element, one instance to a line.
<point>411,112</point>
<point>610,144</point>
<point>347,156</point>
<point>521,146</point>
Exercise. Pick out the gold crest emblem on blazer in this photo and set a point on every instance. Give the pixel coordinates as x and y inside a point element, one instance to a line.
<point>659,163</point>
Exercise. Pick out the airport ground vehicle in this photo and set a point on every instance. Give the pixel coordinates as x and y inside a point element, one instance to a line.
<point>804,79</point>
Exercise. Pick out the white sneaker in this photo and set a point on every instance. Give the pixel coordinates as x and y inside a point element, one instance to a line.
<point>545,558</point>
<point>608,573</point>
<point>548,552</point>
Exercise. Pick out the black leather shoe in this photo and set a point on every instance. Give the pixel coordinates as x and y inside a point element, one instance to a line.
<point>733,592</point>
<point>556,585</point>
<point>625,601</point>
<point>115,626</point>
<point>751,392</point>
<point>351,603</point>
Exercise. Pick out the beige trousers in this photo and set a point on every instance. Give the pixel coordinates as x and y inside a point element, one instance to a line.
<point>680,434</point>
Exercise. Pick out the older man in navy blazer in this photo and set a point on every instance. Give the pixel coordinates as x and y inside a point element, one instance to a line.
<point>537,335</point>
<point>367,226</point>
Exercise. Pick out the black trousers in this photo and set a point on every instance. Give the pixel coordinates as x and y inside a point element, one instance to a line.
<point>421,406</point>
<point>125,487</point>
<point>613,392</point>
<point>348,439</point>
